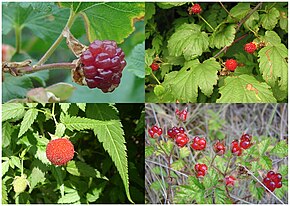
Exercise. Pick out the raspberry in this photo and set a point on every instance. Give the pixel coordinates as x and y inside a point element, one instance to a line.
<point>59,151</point>
<point>154,66</point>
<point>200,169</point>
<point>181,139</point>
<point>219,148</point>
<point>182,115</point>
<point>103,63</point>
<point>198,143</point>
<point>236,149</point>
<point>250,47</point>
<point>272,180</point>
<point>154,131</point>
<point>231,64</point>
<point>196,9</point>
<point>230,181</point>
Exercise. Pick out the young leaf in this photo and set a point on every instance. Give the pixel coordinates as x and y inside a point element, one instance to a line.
<point>27,121</point>
<point>245,89</point>
<point>12,110</point>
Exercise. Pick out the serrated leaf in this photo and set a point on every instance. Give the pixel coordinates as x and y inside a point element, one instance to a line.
<point>263,146</point>
<point>192,76</point>
<point>69,198</point>
<point>265,162</point>
<point>12,110</point>
<point>223,36</point>
<point>270,19</point>
<point>239,11</point>
<point>184,152</point>
<point>149,150</point>
<point>82,169</point>
<point>5,167</point>
<point>35,177</point>
<point>245,89</point>
<point>7,131</point>
<point>27,121</point>
<point>82,106</point>
<point>81,123</point>
<point>189,41</point>
<point>96,192</point>
<point>257,192</point>
<point>136,60</point>
<point>280,149</point>
<point>64,107</point>
<point>220,196</point>
<point>59,130</point>
<point>4,194</point>
<point>178,164</point>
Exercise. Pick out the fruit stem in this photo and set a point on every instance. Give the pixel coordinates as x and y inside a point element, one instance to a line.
<point>205,22</point>
<point>18,38</point>
<point>53,114</point>
<point>50,51</point>
<point>155,77</point>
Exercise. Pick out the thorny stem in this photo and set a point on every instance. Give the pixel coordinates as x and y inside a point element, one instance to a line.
<point>239,24</point>
<point>50,51</point>
<point>205,22</point>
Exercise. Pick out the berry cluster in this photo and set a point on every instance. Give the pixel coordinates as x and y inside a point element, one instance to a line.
<point>244,143</point>
<point>181,139</point>
<point>182,115</point>
<point>154,131</point>
<point>195,9</point>
<point>200,169</point>
<point>230,180</point>
<point>174,131</point>
<point>273,180</point>
<point>154,66</point>
<point>103,63</point>
<point>219,148</point>
<point>198,143</point>
<point>250,47</point>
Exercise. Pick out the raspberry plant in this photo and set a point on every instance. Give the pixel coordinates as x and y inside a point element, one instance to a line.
<point>193,50</point>
<point>72,153</point>
<point>51,41</point>
<point>218,162</point>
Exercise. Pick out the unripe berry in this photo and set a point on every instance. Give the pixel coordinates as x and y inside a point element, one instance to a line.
<point>19,184</point>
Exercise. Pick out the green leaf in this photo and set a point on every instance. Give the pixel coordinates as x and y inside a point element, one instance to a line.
<point>188,40</point>
<point>35,177</point>
<point>117,26</point>
<point>263,146</point>
<point>81,123</point>
<point>270,19</point>
<point>12,110</point>
<point>63,91</point>
<point>159,171</point>
<point>5,167</point>
<point>238,12</point>
<point>158,185</point>
<point>59,130</point>
<point>82,169</point>
<point>4,194</point>
<point>223,36</point>
<point>257,192</point>
<point>184,152</point>
<point>220,196</point>
<point>27,121</point>
<point>149,11</point>
<point>82,106</point>
<point>136,60</point>
<point>265,162</point>
<point>245,89</point>
<point>96,192</point>
<point>169,5</point>
<point>15,161</point>
<point>280,149</point>
<point>149,150</point>
<point>64,107</point>
<point>192,76</point>
<point>159,90</point>
<point>7,130</point>
<point>69,198</point>
<point>178,164</point>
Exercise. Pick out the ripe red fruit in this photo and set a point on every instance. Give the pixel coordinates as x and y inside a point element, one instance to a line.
<point>59,151</point>
<point>181,139</point>
<point>196,9</point>
<point>182,115</point>
<point>272,180</point>
<point>230,181</point>
<point>154,66</point>
<point>154,131</point>
<point>200,169</point>
<point>246,137</point>
<point>236,149</point>
<point>103,63</point>
<point>174,131</point>
<point>250,47</point>
<point>231,64</point>
<point>198,143</point>
<point>219,148</point>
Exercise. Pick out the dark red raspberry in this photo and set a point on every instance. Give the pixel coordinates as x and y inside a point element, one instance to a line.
<point>154,66</point>
<point>271,174</point>
<point>181,139</point>
<point>236,149</point>
<point>230,181</point>
<point>231,64</point>
<point>154,131</point>
<point>219,148</point>
<point>103,63</point>
<point>250,47</point>
<point>200,169</point>
<point>196,9</point>
<point>273,180</point>
<point>198,143</point>
<point>174,131</point>
<point>182,115</point>
<point>277,178</point>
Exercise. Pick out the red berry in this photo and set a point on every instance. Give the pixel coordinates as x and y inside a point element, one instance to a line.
<point>236,149</point>
<point>170,133</point>
<point>182,115</point>
<point>59,151</point>
<point>219,148</point>
<point>174,131</point>
<point>270,174</point>
<point>245,144</point>
<point>273,180</point>
<point>181,139</point>
<point>103,63</point>
<point>272,186</point>
<point>200,169</point>
<point>198,143</point>
<point>279,185</point>
<point>154,131</point>
<point>246,137</point>
<point>230,181</point>
<point>277,178</point>
<point>181,129</point>
<point>231,64</point>
<point>154,66</point>
<point>250,47</point>
<point>196,9</point>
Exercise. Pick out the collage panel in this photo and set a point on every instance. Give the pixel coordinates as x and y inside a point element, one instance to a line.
<point>216,52</point>
<point>72,153</point>
<point>88,52</point>
<point>216,153</point>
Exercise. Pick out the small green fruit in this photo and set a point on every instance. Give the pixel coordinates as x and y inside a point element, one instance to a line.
<point>20,184</point>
